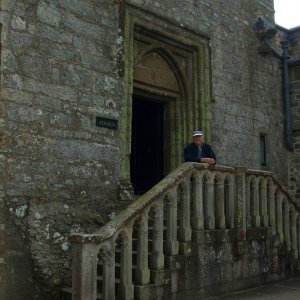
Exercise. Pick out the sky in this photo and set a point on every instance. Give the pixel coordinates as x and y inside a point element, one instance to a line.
<point>287,13</point>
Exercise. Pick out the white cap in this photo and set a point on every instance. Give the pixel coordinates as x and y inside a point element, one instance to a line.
<point>198,133</point>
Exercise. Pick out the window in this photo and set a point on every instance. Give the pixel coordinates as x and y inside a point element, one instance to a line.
<point>263,150</point>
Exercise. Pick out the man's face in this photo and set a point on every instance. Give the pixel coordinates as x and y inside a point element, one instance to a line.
<point>198,140</point>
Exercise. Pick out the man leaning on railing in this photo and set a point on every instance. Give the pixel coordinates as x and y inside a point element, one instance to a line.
<point>199,151</point>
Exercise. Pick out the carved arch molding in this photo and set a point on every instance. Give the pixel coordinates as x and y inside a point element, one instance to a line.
<point>169,63</point>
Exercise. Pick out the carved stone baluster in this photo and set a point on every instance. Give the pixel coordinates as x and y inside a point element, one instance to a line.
<point>219,204</point>
<point>198,217</point>
<point>185,231</point>
<point>209,214</point>
<point>255,203</point>
<point>157,255</point>
<point>241,205</point>
<point>126,286</point>
<point>142,273</point>
<point>294,241</point>
<point>172,245</point>
<point>230,203</point>
<point>286,216</point>
<point>263,204</point>
<point>248,202</point>
<point>84,279</point>
<point>108,258</point>
<point>279,217</point>
<point>271,201</point>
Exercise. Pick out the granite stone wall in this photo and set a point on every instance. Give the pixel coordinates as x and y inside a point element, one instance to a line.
<point>58,170</point>
<point>295,108</point>
<point>59,70</point>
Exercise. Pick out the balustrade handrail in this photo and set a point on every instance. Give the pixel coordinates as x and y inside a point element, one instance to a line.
<point>132,210</point>
<point>277,183</point>
<point>109,229</point>
<point>286,193</point>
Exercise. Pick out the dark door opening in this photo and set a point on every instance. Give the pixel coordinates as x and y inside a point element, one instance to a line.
<point>147,145</point>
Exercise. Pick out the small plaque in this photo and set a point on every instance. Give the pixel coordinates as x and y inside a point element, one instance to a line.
<point>107,123</point>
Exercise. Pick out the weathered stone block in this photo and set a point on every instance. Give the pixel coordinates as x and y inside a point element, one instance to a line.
<point>73,150</point>
<point>13,81</point>
<point>8,60</point>
<point>48,32</point>
<point>76,76</point>
<point>22,40</point>
<point>55,91</point>
<point>160,277</point>
<point>35,66</point>
<point>24,114</point>
<point>78,7</point>
<point>84,43</point>
<point>57,52</point>
<point>97,63</point>
<point>49,14</point>
<point>18,23</point>
<point>84,28</point>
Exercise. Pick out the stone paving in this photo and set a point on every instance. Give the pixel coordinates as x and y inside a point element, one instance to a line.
<point>285,290</point>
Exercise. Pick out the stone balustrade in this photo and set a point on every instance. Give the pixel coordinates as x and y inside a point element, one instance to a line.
<point>269,205</point>
<point>127,254</point>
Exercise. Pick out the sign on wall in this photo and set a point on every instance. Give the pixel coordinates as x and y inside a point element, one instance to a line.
<point>107,123</point>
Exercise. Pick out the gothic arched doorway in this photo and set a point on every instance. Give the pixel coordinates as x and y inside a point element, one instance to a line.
<point>167,96</point>
<point>158,88</point>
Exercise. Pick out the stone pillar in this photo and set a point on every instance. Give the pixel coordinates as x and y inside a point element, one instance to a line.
<point>279,217</point>
<point>230,203</point>
<point>248,202</point>
<point>254,203</point>
<point>142,273</point>
<point>219,204</point>
<point>294,242</point>
<point>108,259</point>
<point>271,205</point>
<point>240,199</point>
<point>126,286</point>
<point>286,228</point>
<point>264,219</point>
<point>197,214</point>
<point>185,232</point>
<point>209,213</point>
<point>84,266</point>
<point>171,230</point>
<point>157,255</point>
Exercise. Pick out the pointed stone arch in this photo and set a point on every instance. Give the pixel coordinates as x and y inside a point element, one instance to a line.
<point>157,73</point>
<point>157,61</point>
<point>172,65</point>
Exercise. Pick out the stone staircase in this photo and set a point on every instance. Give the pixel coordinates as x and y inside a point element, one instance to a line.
<point>202,229</point>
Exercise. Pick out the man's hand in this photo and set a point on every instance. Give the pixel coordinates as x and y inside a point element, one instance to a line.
<point>207,160</point>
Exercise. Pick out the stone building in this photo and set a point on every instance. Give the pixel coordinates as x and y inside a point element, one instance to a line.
<point>85,84</point>
<point>293,36</point>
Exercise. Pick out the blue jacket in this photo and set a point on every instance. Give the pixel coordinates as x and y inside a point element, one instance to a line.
<point>191,152</point>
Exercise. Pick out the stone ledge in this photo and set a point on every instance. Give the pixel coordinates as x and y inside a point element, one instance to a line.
<point>215,235</point>
<point>258,233</point>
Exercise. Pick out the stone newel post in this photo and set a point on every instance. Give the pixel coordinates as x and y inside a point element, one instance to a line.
<point>84,268</point>
<point>240,201</point>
